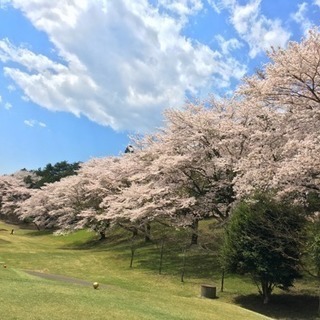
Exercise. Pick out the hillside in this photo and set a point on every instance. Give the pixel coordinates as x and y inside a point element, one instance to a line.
<point>124,293</point>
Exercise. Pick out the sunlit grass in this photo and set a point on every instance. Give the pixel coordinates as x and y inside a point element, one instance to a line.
<point>136,293</point>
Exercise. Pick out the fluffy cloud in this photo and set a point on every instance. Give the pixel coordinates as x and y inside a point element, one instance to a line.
<point>228,45</point>
<point>182,7</point>
<point>120,62</point>
<point>301,17</point>
<point>317,2</point>
<point>259,32</point>
<point>4,3</point>
<point>219,5</point>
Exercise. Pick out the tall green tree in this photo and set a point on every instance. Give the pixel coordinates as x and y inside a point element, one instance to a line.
<point>264,239</point>
<point>51,173</point>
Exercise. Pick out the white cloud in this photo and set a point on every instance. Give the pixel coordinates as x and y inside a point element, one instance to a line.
<point>123,61</point>
<point>257,30</point>
<point>33,123</point>
<point>219,5</point>
<point>214,5</point>
<point>300,14</point>
<point>228,45</point>
<point>29,123</point>
<point>11,88</point>
<point>7,106</point>
<point>26,58</point>
<point>301,17</point>
<point>243,16</point>
<point>316,2</point>
<point>4,3</point>
<point>182,7</point>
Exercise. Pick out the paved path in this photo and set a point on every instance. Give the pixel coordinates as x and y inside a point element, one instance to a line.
<point>57,277</point>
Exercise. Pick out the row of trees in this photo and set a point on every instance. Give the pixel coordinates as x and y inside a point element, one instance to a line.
<point>207,157</point>
<point>17,187</point>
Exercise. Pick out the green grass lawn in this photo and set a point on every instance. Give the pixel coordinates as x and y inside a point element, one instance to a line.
<point>136,293</point>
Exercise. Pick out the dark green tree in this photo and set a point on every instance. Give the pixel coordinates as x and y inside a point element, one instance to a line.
<point>312,251</point>
<point>264,239</point>
<point>51,173</point>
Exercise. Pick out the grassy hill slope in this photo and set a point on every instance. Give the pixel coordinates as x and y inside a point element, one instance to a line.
<point>125,293</point>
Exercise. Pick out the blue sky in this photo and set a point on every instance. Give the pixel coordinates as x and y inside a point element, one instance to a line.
<point>77,77</point>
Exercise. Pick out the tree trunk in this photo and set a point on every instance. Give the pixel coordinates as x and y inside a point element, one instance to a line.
<point>222,281</point>
<point>132,256</point>
<point>102,235</point>
<point>147,229</point>
<point>319,303</point>
<point>183,270</point>
<point>161,256</point>
<point>266,299</point>
<point>266,291</point>
<point>134,232</point>
<point>38,228</point>
<point>194,228</point>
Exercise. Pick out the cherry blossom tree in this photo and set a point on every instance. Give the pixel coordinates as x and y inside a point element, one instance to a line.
<point>184,173</point>
<point>13,192</point>
<point>105,177</point>
<point>81,201</point>
<point>55,205</point>
<point>73,202</point>
<point>207,154</point>
<point>284,152</point>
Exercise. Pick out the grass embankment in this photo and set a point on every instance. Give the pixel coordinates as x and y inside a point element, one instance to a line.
<point>137,293</point>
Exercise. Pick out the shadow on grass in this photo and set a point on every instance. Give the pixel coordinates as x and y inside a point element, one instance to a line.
<point>198,263</point>
<point>109,243</point>
<point>282,306</point>
<point>4,241</point>
<point>37,233</point>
